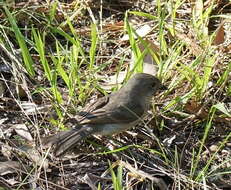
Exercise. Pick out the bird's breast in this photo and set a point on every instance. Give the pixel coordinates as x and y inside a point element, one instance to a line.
<point>111,129</point>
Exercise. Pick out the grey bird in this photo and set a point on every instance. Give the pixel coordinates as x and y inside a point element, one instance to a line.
<point>111,114</point>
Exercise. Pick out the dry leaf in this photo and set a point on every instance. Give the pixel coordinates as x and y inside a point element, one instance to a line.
<point>142,32</point>
<point>9,167</point>
<point>23,131</point>
<point>194,108</point>
<point>220,35</point>
<point>191,43</point>
<point>36,157</point>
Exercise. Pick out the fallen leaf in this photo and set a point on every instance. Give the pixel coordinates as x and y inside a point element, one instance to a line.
<point>190,43</point>
<point>220,35</point>
<point>22,130</point>
<point>141,31</point>
<point>9,167</point>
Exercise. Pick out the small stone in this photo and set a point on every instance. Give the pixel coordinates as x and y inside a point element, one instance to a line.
<point>213,148</point>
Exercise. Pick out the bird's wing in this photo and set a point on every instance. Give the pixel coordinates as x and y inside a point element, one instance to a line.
<point>114,114</point>
<point>98,104</point>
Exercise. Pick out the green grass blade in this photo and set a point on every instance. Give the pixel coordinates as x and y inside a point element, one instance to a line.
<point>27,59</point>
<point>94,39</point>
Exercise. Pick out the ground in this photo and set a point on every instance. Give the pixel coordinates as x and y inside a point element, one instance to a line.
<point>57,56</point>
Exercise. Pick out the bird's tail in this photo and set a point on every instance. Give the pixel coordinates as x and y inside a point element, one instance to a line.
<point>64,141</point>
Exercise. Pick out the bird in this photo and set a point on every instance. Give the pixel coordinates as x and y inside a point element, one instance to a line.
<point>111,114</point>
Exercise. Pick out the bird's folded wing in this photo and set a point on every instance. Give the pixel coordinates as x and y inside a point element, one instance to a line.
<point>98,104</point>
<point>120,114</point>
